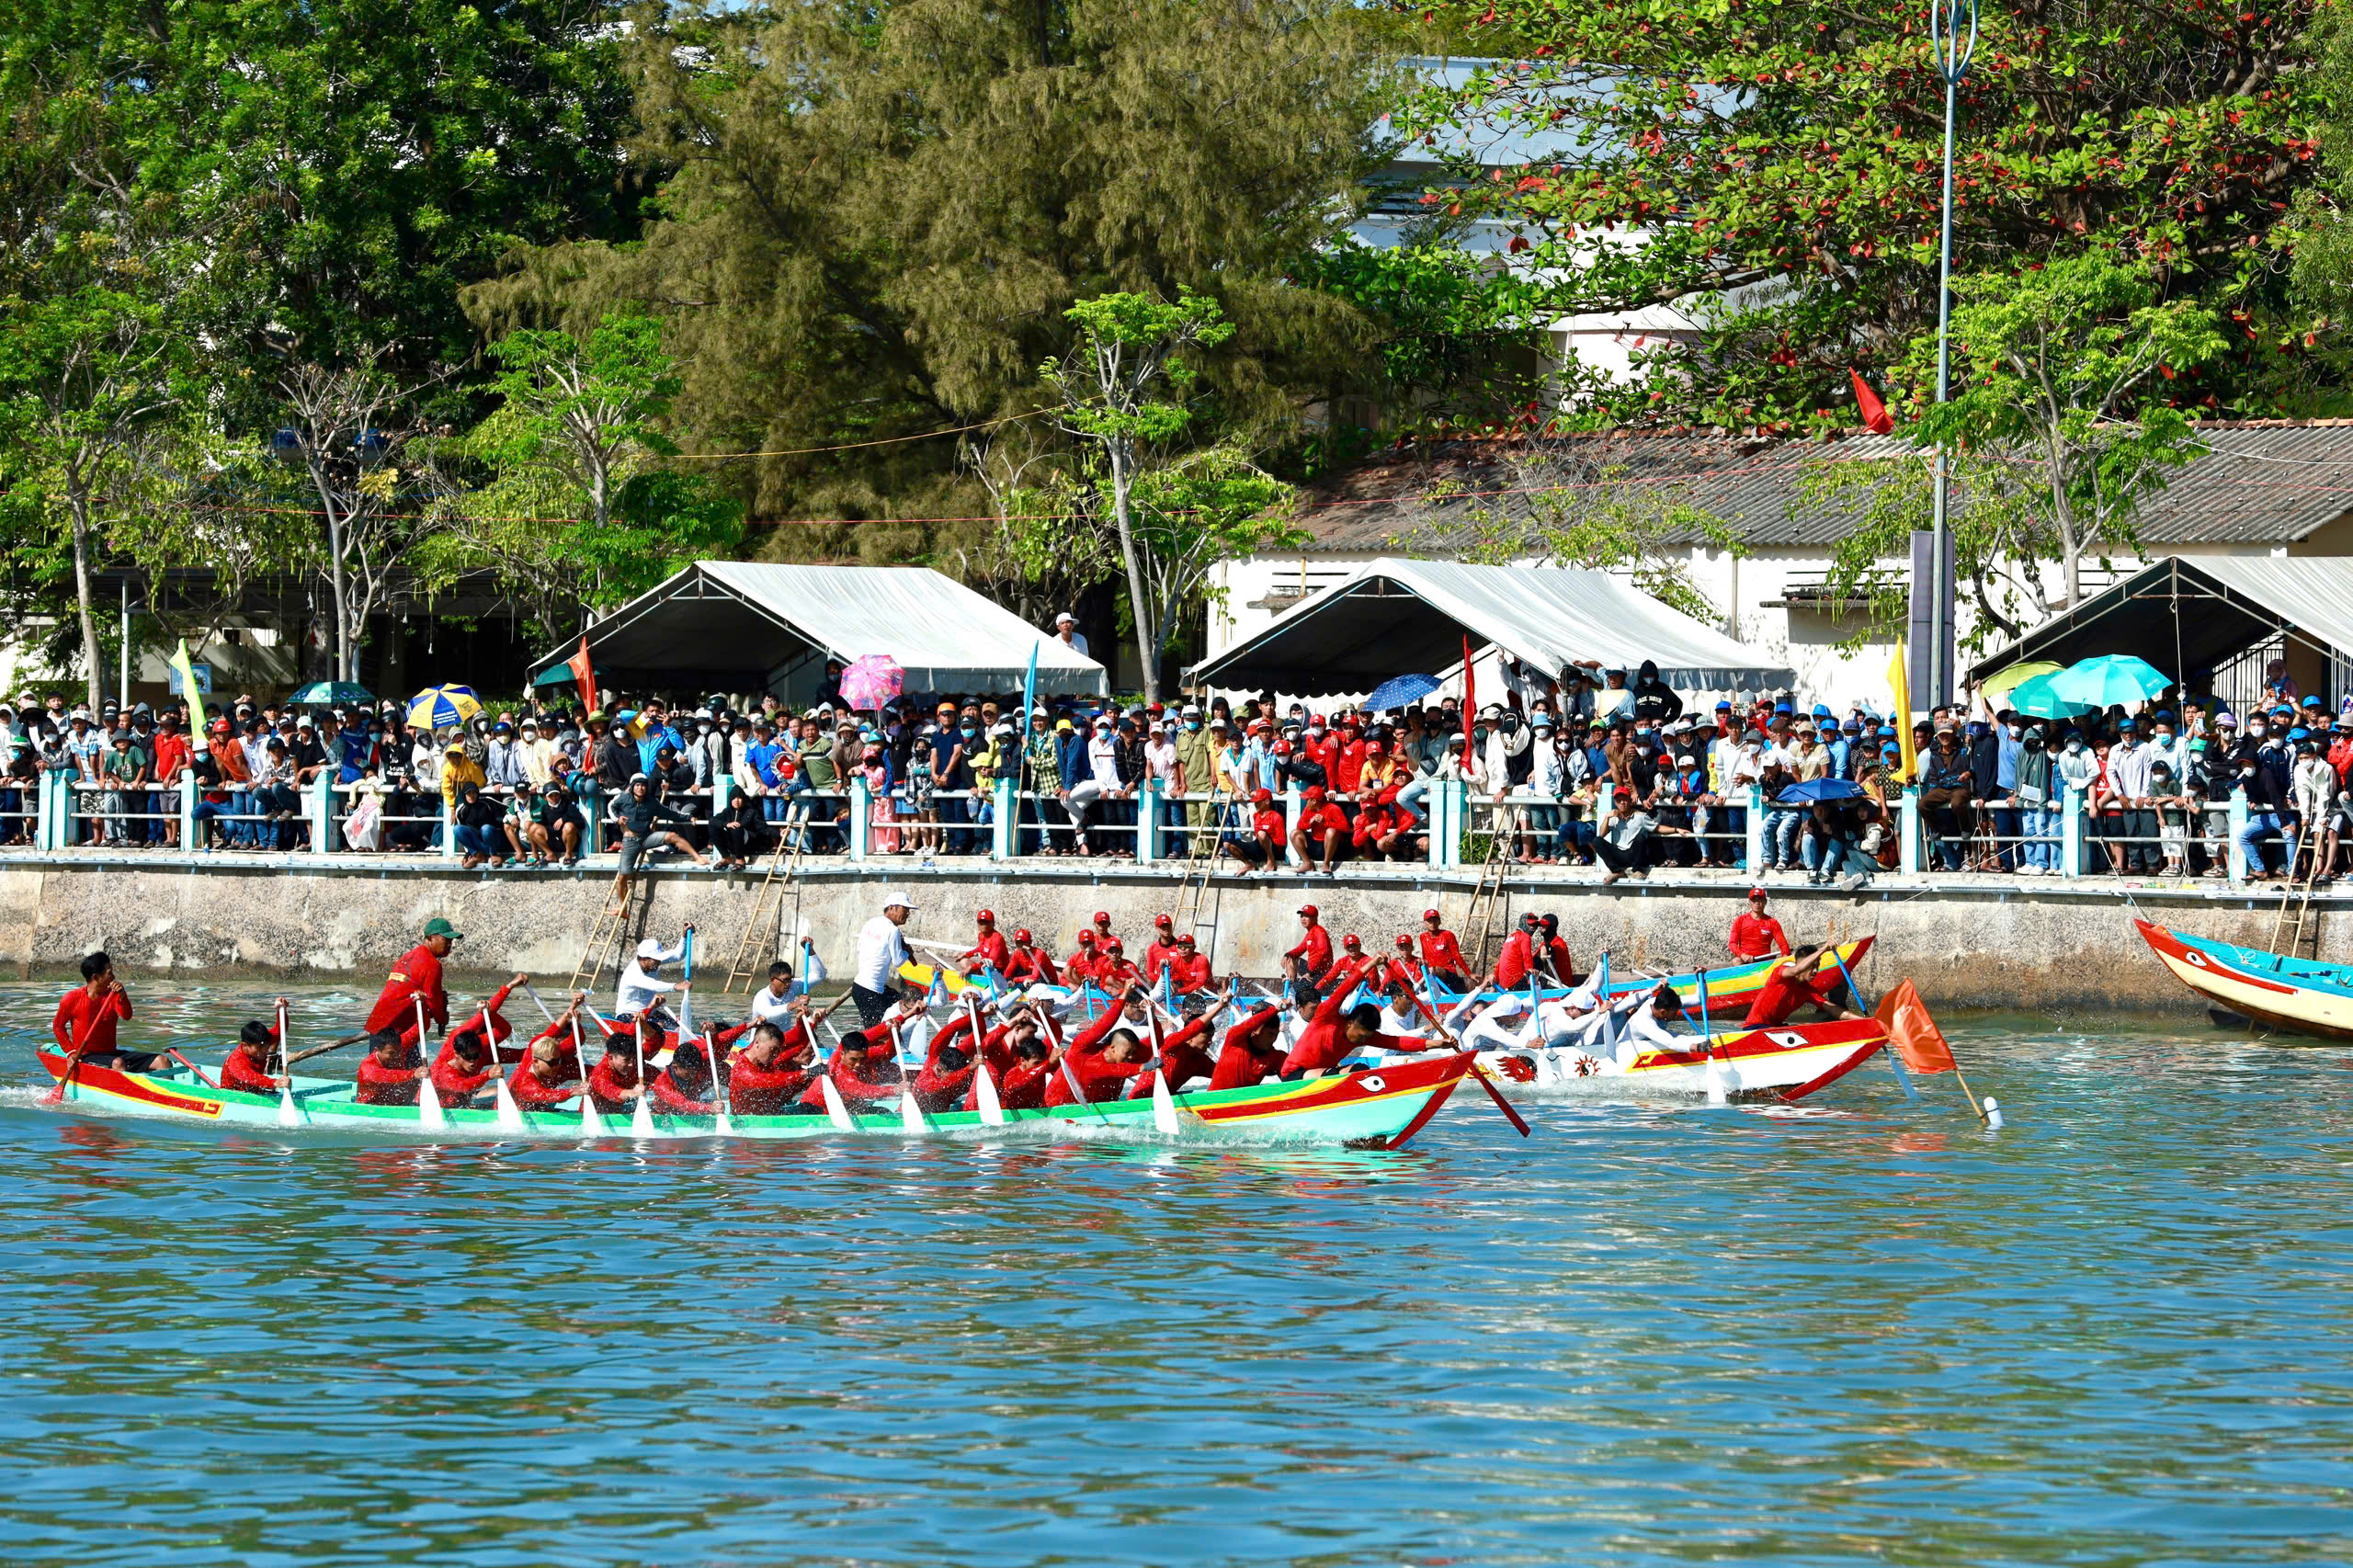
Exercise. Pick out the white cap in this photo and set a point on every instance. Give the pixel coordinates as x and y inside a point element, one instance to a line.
<point>649,948</point>
<point>1065,616</point>
<point>897,896</point>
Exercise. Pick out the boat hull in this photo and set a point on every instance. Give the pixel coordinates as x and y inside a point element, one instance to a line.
<point>1377,1108</point>
<point>2301,996</point>
<point>1787,1063</point>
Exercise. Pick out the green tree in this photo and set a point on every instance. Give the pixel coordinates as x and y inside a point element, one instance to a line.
<point>876,215</point>
<point>1772,169</point>
<point>2060,409</point>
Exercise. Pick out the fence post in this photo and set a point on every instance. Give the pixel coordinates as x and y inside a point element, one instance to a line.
<point>1908,818</point>
<point>1293,803</point>
<point>861,817</point>
<point>322,810</point>
<point>448,827</point>
<point>1148,822</point>
<point>2237,846</point>
<point>1435,851</point>
<point>1755,819</point>
<point>187,812</point>
<point>1004,841</point>
<point>44,818</point>
<point>2070,833</point>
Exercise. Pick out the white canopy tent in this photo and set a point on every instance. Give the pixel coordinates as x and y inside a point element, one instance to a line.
<point>1395,617</point>
<point>745,626</point>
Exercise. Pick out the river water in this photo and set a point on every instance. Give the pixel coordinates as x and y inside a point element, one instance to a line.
<point>2115,1332</point>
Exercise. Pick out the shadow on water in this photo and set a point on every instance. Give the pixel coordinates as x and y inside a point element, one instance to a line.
<point>1865,1329</point>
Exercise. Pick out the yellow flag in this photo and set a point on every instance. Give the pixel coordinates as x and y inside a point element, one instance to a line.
<point>179,662</point>
<point>1899,681</point>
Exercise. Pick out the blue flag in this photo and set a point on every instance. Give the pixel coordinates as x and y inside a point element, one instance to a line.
<point>1030,694</point>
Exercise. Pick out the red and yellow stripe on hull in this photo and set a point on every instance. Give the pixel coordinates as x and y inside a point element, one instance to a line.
<point>2228,976</point>
<point>127,1088</point>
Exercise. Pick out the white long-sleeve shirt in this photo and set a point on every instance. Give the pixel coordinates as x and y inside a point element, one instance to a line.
<point>882,949</point>
<point>639,989</point>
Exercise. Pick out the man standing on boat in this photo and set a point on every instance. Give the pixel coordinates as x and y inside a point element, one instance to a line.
<point>637,993</point>
<point>417,974</point>
<point>83,1024</point>
<point>881,950</point>
<point>1755,934</point>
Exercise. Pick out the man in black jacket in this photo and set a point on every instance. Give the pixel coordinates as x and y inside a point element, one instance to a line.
<point>1654,699</point>
<point>641,817</point>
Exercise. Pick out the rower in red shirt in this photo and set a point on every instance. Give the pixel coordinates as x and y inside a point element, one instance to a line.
<point>1518,955</point>
<point>685,1087</point>
<point>1403,967</point>
<point>418,974</point>
<point>1313,954</point>
<point>1079,968</point>
<point>1322,836</point>
<point>389,1072</point>
<point>988,950</point>
<point>614,1082</point>
<point>1112,971</point>
<point>1182,1056</point>
<point>1442,955</point>
<point>1020,1059</point>
<point>1189,970</point>
<point>1755,934</point>
<point>1104,934</point>
<point>865,1065</point>
<point>1253,1049</point>
<point>1329,1037</point>
<point>768,1077</point>
<point>249,1066</point>
<point>85,1018</point>
<point>463,1067</point>
<point>486,1016</point>
<point>947,1075</point>
<point>1028,963</point>
<point>1162,949</point>
<point>1103,1057</point>
<point>541,1081</point>
<point>1807,978</point>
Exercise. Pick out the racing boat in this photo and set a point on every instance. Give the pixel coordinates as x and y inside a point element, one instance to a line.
<point>2294,995</point>
<point>1788,1062</point>
<point>1730,989</point>
<point>1378,1107</point>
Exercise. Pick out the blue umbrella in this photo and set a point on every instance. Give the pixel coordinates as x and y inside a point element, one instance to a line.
<point>327,693</point>
<point>2112,677</point>
<point>2037,699</point>
<point>1398,692</point>
<point>1807,792</point>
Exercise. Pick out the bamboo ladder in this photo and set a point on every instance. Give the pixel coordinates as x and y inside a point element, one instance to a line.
<point>2298,894</point>
<point>1487,898</point>
<point>612,933</point>
<point>1200,861</point>
<point>783,875</point>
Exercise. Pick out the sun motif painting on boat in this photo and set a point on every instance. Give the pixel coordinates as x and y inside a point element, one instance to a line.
<point>1380,1107</point>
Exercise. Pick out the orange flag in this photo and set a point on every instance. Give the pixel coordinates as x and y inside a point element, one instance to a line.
<point>584,673</point>
<point>1913,1034</point>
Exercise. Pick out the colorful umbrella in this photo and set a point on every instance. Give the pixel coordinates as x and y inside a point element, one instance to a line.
<point>2034,698</point>
<point>2001,681</point>
<point>1399,691</point>
<point>327,693</point>
<point>872,681</point>
<point>439,707</point>
<point>2112,677</point>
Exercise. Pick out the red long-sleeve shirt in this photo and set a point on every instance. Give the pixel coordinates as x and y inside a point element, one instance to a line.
<point>418,974</point>
<point>1156,959</point>
<point>241,1070</point>
<point>528,1088</point>
<point>1181,1058</point>
<point>993,948</point>
<point>1315,949</point>
<point>1252,1048</point>
<point>671,1100</point>
<point>1512,964</point>
<point>1190,972</point>
<point>864,1068</point>
<point>86,1023</point>
<point>450,1079</point>
<point>380,1084</point>
<point>1324,1042</point>
<point>1372,823</point>
<point>1101,1079</point>
<point>1025,965</point>
<point>1781,996</point>
<point>1442,952</point>
<point>938,1087</point>
<point>607,1085</point>
<point>754,1090</point>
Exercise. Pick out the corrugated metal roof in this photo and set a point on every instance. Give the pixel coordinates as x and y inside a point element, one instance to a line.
<point>2259,481</point>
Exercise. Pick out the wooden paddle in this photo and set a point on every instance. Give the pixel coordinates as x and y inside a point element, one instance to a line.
<point>320,1050</point>
<point>1476,1071</point>
<point>56,1094</point>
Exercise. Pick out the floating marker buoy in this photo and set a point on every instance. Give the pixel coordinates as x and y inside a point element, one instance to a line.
<point>1993,1111</point>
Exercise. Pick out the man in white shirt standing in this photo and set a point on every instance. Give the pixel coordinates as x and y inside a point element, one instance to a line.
<point>1067,633</point>
<point>882,949</point>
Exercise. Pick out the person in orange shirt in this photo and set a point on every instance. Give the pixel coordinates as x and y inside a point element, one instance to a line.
<point>83,1023</point>
<point>1755,934</point>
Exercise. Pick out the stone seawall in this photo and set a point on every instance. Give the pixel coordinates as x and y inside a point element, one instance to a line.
<point>1975,942</point>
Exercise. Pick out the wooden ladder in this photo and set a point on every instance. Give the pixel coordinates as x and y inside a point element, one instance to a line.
<point>783,875</point>
<point>2297,895</point>
<point>1200,860</point>
<point>1487,898</point>
<point>612,933</point>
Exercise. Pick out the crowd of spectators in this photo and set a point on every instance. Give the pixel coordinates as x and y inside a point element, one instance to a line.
<point>1602,771</point>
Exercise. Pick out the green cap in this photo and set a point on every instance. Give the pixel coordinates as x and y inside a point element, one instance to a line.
<point>437,926</point>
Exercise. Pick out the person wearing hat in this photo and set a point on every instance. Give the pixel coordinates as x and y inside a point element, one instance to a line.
<point>416,978</point>
<point>1028,963</point>
<point>881,953</point>
<point>1262,845</point>
<point>988,950</point>
<point>1323,825</point>
<point>1442,953</point>
<point>637,992</point>
<point>1067,633</point>
<point>1755,934</point>
<point>1313,956</point>
<point>1196,770</point>
<point>1161,947</point>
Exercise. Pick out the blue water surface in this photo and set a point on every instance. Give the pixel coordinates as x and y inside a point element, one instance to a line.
<point>2115,1332</point>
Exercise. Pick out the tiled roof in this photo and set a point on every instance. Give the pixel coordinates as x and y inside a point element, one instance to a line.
<point>2259,481</point>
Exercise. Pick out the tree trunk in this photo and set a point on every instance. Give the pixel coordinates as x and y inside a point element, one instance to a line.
<point>80,505</point>
<point>1147,638</point>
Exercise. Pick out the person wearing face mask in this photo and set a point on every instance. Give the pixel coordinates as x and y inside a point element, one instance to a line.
<point>2312,793</point>
<point>2129,773</point>
<point>2033,789</point>
<point>2266,808</point>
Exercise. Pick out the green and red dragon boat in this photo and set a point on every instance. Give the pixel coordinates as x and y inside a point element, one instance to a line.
<point>1378,1107</point>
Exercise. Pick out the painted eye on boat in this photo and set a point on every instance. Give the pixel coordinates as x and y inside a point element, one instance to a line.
<point>1372,1084</point>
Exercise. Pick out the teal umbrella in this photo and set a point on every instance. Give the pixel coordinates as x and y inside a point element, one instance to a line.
<point>2035,697</point>
<point>327,693</point>
<point>2111,677</point>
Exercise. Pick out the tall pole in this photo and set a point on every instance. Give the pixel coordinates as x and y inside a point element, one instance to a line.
<point>1953,52</point>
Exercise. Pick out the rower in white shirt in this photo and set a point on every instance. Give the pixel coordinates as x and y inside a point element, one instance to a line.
<point>640,988</point>
<point>772,1002</point>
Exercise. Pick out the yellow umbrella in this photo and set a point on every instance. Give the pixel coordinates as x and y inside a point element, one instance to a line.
<point>2001,681</point>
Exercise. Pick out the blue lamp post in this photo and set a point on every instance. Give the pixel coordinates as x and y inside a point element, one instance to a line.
<point>1947,22</point>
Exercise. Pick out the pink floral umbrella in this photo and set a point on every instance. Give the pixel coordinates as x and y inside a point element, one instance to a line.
<point>872,681</point>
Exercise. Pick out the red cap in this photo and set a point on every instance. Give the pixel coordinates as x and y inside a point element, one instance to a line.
<point>1185,940</point>
<point>1162,920</point>
<point>1111,945</point>
<point>1101,918</point>
<point>1756,893</point>
<point>985,918</point>
<point>1086,939</point>
<point>1307,909</point>
<point>1021,933</point>
<point>1430,915</point>
<point>1316,791</point>
<point>1261,797</point>
<point>1352,940</point>
<point>1407,943</point>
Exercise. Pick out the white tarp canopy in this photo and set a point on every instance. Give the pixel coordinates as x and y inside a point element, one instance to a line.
<point>2184,614</point>
<point>745,626</point>
<point>1397,617</point>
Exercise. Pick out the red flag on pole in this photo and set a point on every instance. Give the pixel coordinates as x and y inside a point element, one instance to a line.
<point>1469,707</point>
<point>1876,418</point>
<point>1912,1032</point>
<point>585,672</point>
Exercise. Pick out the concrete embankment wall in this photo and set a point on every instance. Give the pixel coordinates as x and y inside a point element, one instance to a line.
<point>1974,942</point>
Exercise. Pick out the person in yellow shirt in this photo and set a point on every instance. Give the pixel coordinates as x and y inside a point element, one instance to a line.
<point>458,768</point>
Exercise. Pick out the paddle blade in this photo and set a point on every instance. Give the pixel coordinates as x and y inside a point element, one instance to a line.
<point>1912,1032</point>
<point>429,1106</point>
<point>591,1124</point>
<point>288,1113</point>
<point>510,1115</point>
<point>910,1119</point>
<point>992,1110</point>
<point>56,1094</point>
<point>836,1112</point>
<point>641,1117</point>
<point>1715,1076</point>
<point>1164,1106</point>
